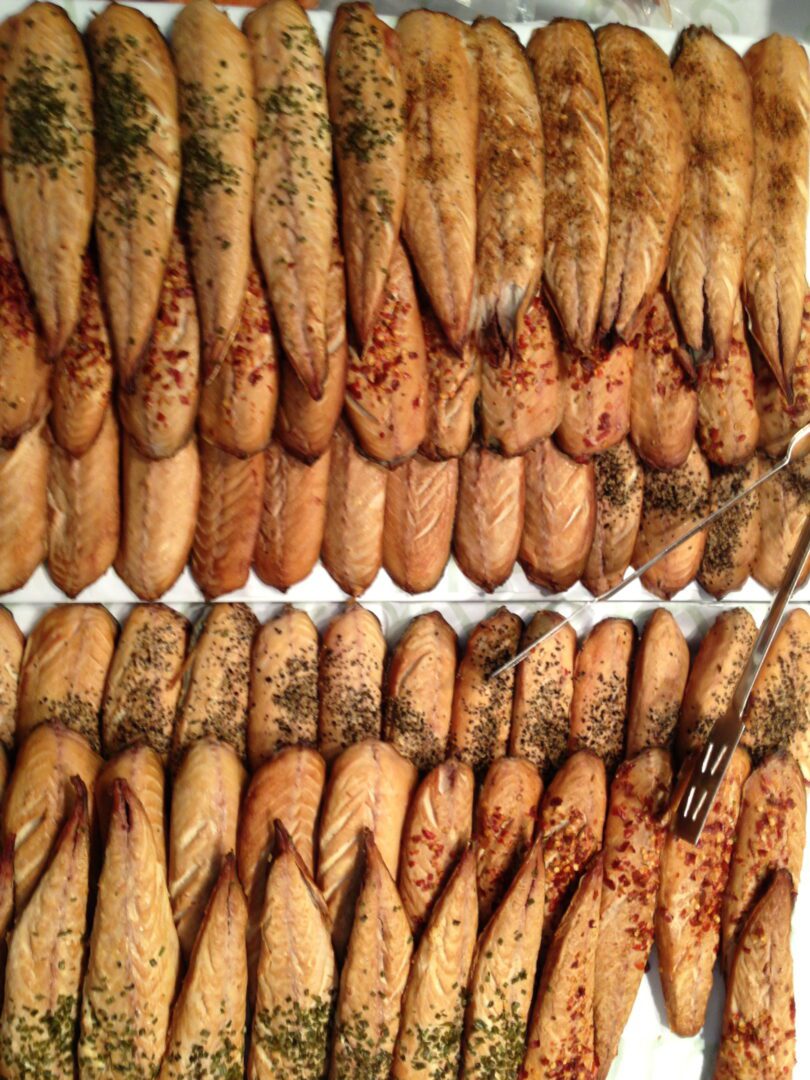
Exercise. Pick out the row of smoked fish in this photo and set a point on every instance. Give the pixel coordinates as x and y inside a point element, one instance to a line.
<point>425,874</point>
<point>172,251</point>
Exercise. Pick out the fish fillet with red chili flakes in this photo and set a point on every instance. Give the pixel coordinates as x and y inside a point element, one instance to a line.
<point>728,422</point>
<point>596,399</point>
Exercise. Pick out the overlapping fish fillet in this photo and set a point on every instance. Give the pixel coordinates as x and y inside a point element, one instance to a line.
<point>12,644</point>
<point>420,504</point>
<point>454,382</point>
<point>597,395</point>
<point>619,485</point>
<point>489,518</point>
<point>23,508</point>
<point>728,423</point>
<point>778,418</point>
<point>142,769</point>
<point>732,541</point>
<point>783,506</point>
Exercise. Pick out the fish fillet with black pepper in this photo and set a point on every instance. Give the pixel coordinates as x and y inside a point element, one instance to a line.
<point>489,516</point>
<point>660,671</point>
<point>601,678</point>
<point>23,508</point>
<point>142,768</point>
<point>350,677</point>
<point>732,541</point>
<point>784,501</point>
<point>619,487</point>
<point>420,503</point>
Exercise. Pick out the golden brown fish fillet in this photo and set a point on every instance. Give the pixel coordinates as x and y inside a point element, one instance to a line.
<point>374,975</point>
<point>293,517</point>
<point>687,918</point>
<point>45,960</point>
<point>143,682</point>
<point>663,404</point>
<point>454,381</point>
<point>437,830</point>
<point>489,518</point>
<point>214,697</point>
<point>439,223</point>
<point>283,709</point>
<point>432,1020</point>
<point>759,1022</point>
<point>40,796</point>
<point>783,506</point>
<point>6,894</point>
<point>482,706</point>
<point>647,140</point>
<point>23,508</point>
<point>387,384</point>
<point>352,547</point>
<point>207,1033</point>
<point>238,404</point>
<point>619,489</point>
<point>601,678</point>
<point>597,399</point>
<point>543,689</point>
<point>732,541</point>
<point>778,419</point>
<point>159,410</point>
<point>134,955</point>
<point>231,490</point>
<point>294,204</point>
<point>142,768</point>
<point>728,423</point>
<point>350,676</point>
<point>634,837</point>
<point>64,670</point>
<point>297,976</point>
<point>505,818</point>
<point>674,501</point>
<point>218,124</point>
<point>419,690</point>
<point>49,162</point>
<point>509,182</point>
<point>577,173</point>
<point>775,258</point>
<point>560,519</point>
<point>660,671</point>
<point>12,644</point>
<point>206,794</point>
<point>420,505</point>
<point>84,512</point>
<point>370,787</point>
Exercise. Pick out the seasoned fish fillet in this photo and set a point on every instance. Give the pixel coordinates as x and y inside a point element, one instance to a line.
<point>728,423</point>
<point>732,541</point>
<point>482,706</point>
<point>660,671</point>
<point>352,547</point>
<point>283,709</point>
<point>619,487</point>
<point>601,678</point>
<point>294,207</point>
<point>707,256</point>
<point>489,518</point>
<point>634,837</point>
<point>84,512</point>
<point>214,697</point>
<point>778,419</point>
<point>432,1020</point>
<point>143,682</point>
<point>64,670</point>
<point>12,644</point>
<point>560,520</point>
<point>577,173</point>
<point>49,162</point>
<point>218,130</point>
<point>134,956</point>
<point>648,159</point>
<point>454,381</point>
<point>544,685</point>
<point>439,224</point>
<point>207,1034</point>
<point>370,787</point>
<point>367,110</point>
<point>419,690</point>
<point>159,501</point>
<point>45,960</point>
<point>350,677</point>
<point>231,490</point>
<point>293,517</point>
<point>783,505</point>
<point>142,768</point>
<point>206,794</point>
<point>420,505</point>
<point>437,830</point>
<point>596,399</point>
<point>137,172</point>
<point>23,508</point>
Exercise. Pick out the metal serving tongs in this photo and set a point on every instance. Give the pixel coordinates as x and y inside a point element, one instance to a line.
<point>710,768</point>
<point>795,445</point>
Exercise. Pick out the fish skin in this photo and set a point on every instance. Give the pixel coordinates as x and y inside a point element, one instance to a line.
<point>783,502</point>
<point>297,976</point>
<point>647,141</point>
<point>601,680</point>
<point>489,517</point>
<point>84,512</point>
<point>660,673</point>
<point>207,1033</point>
<point>509,183</point>
<point>432,1019</point>
<point>560,521</point>
<point>707,254</point>
<point>49,185</point>
<point>133,965</point>
<point>159,501</point>
<point>733,541</point>
<point>137,172</point>
<point>439,223</point>
<point>367,109</point>
<point>420,504</point>
<point>294,208</point>
<point>12,644</point>
<point>350,678</point>
<point>597,395</point>
<point>45,959</point>
<point>728,422</point>
<point>577,174</point>
<point>293,517</point>
<point>23,508</point>
<point>218,197</point>
<point>779,419</point>
<point>619,480</point>
<point>142,768</point>
<point>454,383</point>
